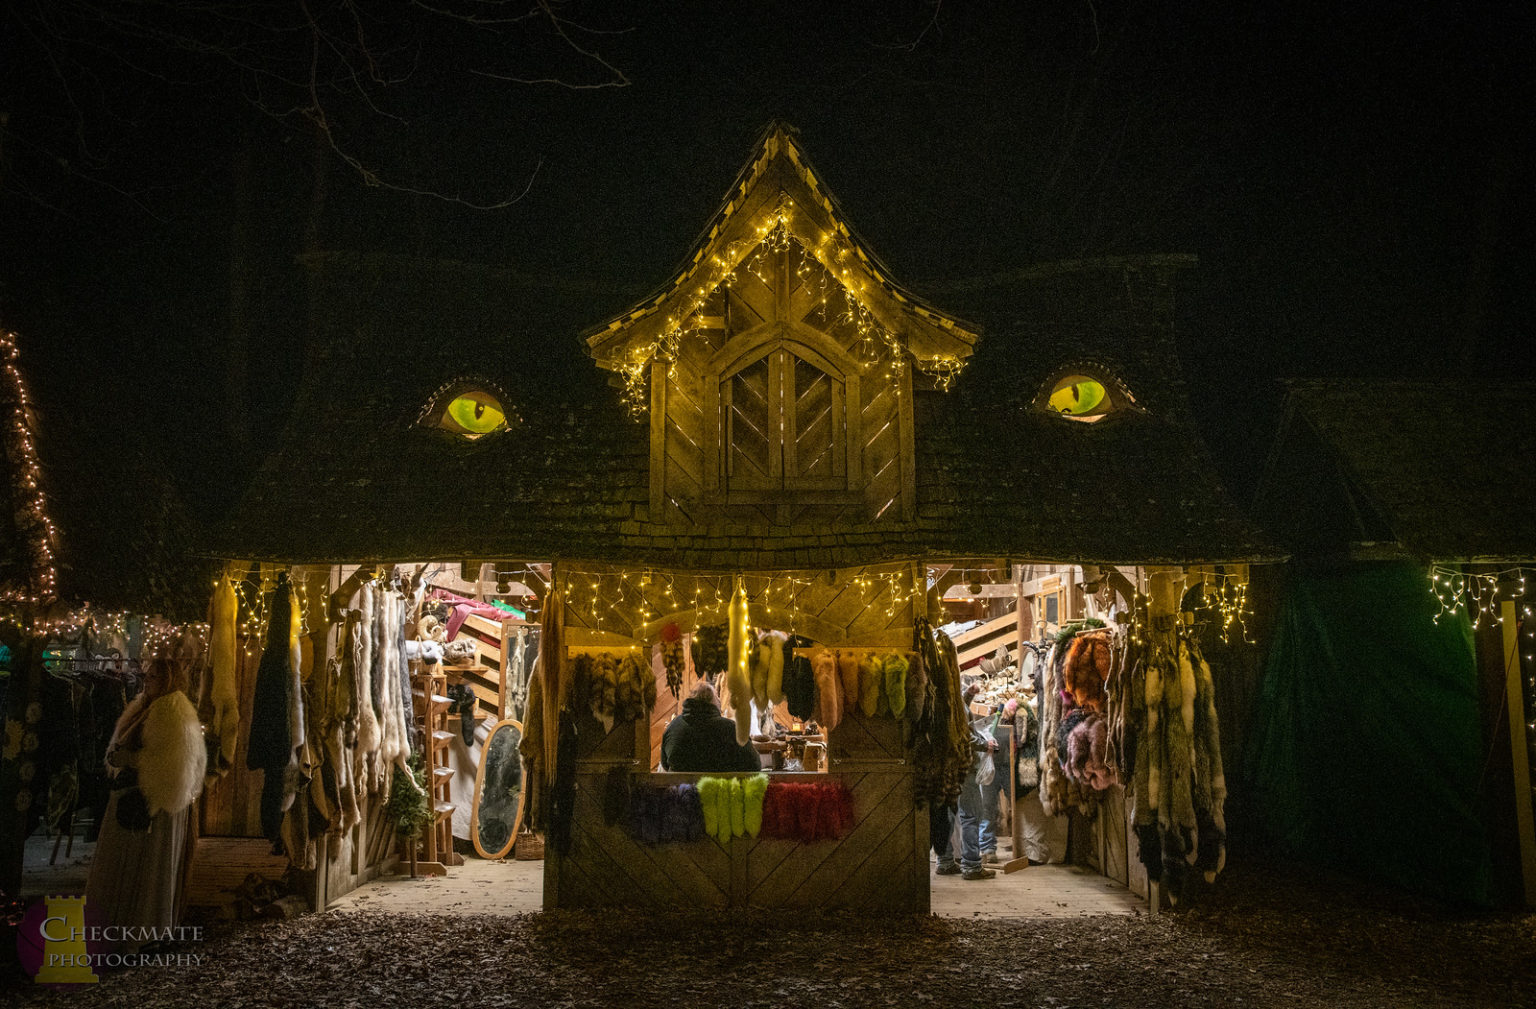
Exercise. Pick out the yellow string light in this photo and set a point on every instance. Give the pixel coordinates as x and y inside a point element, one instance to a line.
<point>774,235</point>
<point>1475,593</point>
<point>32,512</point>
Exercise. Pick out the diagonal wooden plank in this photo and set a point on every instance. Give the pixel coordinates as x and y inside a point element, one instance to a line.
<point>765,855</point>
<point>870,885</point>
<point>659,871</point>
<point>789,875</point>
<point>874,826</point>
<point>592,878</point>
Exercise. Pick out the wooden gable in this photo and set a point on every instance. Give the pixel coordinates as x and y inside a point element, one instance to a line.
<point>777,368</point>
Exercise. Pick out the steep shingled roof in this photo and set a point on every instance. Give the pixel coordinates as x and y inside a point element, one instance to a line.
<point>1443,469</point>
<point>357,479</point>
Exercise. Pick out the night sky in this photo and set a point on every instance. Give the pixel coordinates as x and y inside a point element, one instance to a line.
<point>1355,182</point>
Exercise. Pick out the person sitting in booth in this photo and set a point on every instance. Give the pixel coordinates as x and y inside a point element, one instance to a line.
<point>702,739</point>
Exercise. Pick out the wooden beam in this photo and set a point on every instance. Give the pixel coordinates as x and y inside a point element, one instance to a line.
<point>1519,748</point>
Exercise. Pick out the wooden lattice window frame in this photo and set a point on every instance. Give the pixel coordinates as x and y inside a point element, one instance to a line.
<point>781,346</point>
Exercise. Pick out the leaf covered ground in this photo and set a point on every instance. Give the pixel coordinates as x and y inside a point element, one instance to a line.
<point>1261,938</point>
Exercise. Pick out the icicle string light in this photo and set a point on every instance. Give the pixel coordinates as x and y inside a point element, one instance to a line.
<point>1476,594</point>
<point>624,600</point>
<point>774,236</point>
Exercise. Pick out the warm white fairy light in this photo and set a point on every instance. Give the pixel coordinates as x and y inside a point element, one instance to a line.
<point>635,598</point>
<point>774,235</point>
<point>31,511</point>
<point>1475,593</point>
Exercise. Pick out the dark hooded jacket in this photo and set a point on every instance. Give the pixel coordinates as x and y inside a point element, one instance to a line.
<point>701,739</point>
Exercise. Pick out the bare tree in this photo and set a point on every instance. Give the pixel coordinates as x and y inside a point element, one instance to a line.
<point>344,68</point>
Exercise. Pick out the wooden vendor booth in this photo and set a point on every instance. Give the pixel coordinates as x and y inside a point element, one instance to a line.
<point>833,822</point>
<point>780,466</point>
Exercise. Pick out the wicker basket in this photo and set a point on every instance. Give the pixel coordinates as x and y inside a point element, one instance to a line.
<point>529,847</point>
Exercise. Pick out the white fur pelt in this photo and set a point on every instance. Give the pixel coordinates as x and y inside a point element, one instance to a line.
<point>759,655</point>
<point>774,642</point>
<point>738,678</point>
<point>396,748</point>
<point>369,737</point>
<point>173,757</point>
<point>224,691</point>
<point>295,674</point>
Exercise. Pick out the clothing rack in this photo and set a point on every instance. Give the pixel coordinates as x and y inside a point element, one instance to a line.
<point>851,650</point>
<point>71,668</point>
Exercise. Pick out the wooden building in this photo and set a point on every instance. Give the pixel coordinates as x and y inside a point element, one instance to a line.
<point>782,415</point>
<point>1407,506</point>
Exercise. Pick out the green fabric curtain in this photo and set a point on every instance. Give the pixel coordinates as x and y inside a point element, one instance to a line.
<point>1367,751</point>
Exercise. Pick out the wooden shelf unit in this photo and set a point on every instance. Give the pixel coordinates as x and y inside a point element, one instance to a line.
<point>429,688</point>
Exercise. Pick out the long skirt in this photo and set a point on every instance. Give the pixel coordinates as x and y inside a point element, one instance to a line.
<point>136,876</point>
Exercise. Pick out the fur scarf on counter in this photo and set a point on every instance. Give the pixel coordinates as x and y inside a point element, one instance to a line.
<point>665,814</point>
<point>807,812</point>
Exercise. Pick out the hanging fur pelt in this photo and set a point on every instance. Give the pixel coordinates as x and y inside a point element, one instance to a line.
<point>396,740</point>
<point>360,653</point>
<point>1210,776</point>
<point>848,673</point>
<point>1059,791</point>
<point>829,690</point>
<point>1116,703</point>
<point>224,692</point>
<point>765,663</point>
<point>173,757</point>
<point>1178,786</point>
<point>738,678</point>
<point>296,719</point>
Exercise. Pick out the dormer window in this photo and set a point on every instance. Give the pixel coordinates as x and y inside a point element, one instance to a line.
<point>1084,395</point>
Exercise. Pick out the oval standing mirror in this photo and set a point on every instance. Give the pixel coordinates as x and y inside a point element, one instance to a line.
<point>498,809</point>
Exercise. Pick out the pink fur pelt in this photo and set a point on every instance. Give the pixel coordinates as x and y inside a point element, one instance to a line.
<point>1085,754</point>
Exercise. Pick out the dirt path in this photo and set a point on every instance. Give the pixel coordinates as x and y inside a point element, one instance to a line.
<point>1259,940</point>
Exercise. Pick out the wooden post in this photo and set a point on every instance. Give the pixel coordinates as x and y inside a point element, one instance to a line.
<point>1020,860</point>
<point>1515,696</point>
<point>1162,611</point>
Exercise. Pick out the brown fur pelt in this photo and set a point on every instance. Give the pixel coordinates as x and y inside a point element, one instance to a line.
<point>848,672</point>
<point>1116,704</point>
<point>1085,669</point>
<point>829,690</point>
<point>941,750</point>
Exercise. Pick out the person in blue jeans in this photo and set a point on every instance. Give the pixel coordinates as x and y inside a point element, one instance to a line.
<point>941,829</point>
<point>972,804</point>
<point>999,729</point>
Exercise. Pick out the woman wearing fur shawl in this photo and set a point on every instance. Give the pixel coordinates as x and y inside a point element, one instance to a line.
<point>156,759</point>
